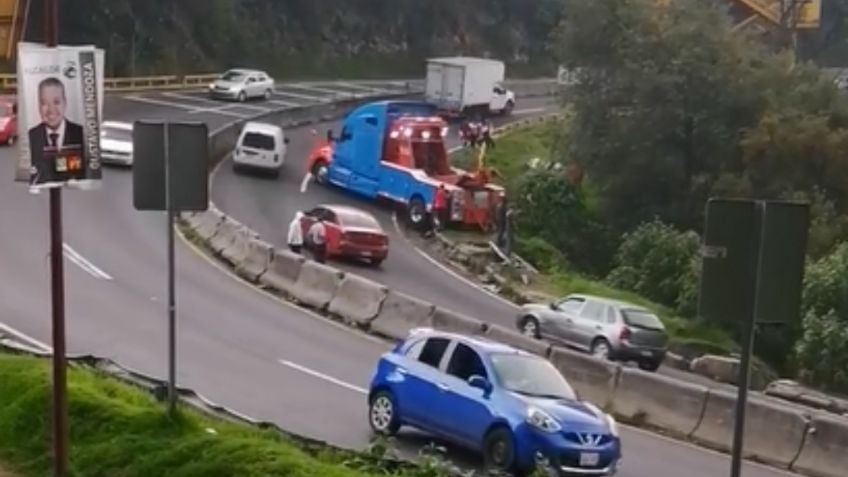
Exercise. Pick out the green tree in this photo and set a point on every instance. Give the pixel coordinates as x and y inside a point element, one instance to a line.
<point>656,261</point>
<point>552,209</point>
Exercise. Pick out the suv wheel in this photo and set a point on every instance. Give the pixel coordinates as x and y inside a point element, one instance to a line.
<point>530,327</point>
<point>649,365</point>
<point>601,349</point>
<point>499,450</point>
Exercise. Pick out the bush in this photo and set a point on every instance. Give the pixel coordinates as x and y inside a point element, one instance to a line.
<point>656,261</point>
<point>821,352</point>
<point>555,211</point>
<point>541,254</point>
<point>826,284</point>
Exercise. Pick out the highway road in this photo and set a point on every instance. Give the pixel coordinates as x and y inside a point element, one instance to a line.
<point>237,346</point>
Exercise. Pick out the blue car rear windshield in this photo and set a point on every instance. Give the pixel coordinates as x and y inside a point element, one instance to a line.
<point>531,376</point>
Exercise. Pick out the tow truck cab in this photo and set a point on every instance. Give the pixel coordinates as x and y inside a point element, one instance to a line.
<point>396,150</point>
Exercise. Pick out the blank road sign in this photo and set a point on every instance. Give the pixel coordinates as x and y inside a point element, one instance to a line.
<point>188,155</point>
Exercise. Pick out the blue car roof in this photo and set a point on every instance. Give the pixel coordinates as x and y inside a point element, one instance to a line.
<point>481,343</point>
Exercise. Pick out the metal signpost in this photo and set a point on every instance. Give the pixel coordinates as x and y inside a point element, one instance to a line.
<point>59,106</point>
<point>170,175</point>
<point>753,265</point>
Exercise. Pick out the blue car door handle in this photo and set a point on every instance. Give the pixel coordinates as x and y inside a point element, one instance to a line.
<point>402,371</point>
<point>443,386</point>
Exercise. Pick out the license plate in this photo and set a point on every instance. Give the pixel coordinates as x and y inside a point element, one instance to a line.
<point>366,253</point>
<point>647,353</point>
<point>589,459</point>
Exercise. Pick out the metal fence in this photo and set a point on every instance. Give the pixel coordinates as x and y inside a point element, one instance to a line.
<point>8,82</point>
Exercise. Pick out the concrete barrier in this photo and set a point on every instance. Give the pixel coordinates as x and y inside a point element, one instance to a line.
<point>825,450</point>
<point>358,299</point>
<point>513,338</point>
<point>400,313</point>
<point>451,321</point>
<point>206,224</point>
<point>774,431</point>
<point>593,379</point>
<point>239,247</point>
<point>227,231</point>
<point>659,401</point>
<point>259,257</point>
<point>316,284</point>
<point>283,271</point>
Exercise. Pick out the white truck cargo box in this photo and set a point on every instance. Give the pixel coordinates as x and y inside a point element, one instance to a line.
<point>461,83</point>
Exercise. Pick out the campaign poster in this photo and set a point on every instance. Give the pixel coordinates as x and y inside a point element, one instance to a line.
<point>60,106</point>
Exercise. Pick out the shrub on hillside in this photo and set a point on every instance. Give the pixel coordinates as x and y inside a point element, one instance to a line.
<point>541,254</point>
<point>821,351</point>
<point>555,211</point>
<point>656,260</point>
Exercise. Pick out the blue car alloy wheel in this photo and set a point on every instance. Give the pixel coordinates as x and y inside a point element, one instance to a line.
<point>381,414</point>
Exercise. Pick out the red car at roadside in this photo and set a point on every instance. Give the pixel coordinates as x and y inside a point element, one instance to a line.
<point>351,233</point>
<point>8,120</point>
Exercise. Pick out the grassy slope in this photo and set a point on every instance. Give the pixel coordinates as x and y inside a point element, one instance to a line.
<point>117,430</point>
<point>511,157</point>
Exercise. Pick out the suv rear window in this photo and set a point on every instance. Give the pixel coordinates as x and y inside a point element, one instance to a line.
<point>642,319</point>
<point>258,141</point>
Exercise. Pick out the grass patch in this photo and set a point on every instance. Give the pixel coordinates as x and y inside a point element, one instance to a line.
<point>514,152</point>
<point>118,430</point>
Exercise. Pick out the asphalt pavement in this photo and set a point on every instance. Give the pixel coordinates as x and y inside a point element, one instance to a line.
<point>236,345</point>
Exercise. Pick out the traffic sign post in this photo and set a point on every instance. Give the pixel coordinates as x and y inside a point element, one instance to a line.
<point>753,265</point>
<point>170,175</point>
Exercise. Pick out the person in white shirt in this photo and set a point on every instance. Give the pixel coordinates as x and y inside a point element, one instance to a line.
<point>295,235</point>
<point>318,241</point>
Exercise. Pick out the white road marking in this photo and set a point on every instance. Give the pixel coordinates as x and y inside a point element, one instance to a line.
<point>313,99</point>
<point>83,263</point>
<point>221,110</point>
<point>528,111</point>
<point>366,88</point>
<point>159,102</point>
<point>187,97</point>
<point>304,184</point>
<point>25,337</point>
<point>323,376</point>
<point>286,104</point>
<point>318,89</point>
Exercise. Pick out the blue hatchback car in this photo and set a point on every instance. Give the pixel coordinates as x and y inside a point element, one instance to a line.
<point>511,406</point>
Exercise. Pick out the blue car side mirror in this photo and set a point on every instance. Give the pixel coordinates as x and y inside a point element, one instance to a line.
<point>479,382</point>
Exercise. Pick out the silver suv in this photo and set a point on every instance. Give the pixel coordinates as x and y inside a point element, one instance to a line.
<point>609,329</point>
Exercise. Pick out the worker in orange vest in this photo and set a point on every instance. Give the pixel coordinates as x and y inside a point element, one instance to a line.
<point>440,207</point>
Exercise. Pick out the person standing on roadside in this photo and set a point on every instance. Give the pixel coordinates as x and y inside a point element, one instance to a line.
<point>440,206</point>
<point>295,235</point>
<point>318,241</point>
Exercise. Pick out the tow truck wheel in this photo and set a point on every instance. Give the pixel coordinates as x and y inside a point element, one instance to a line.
<point>319,172</point>
<point>416,212</point>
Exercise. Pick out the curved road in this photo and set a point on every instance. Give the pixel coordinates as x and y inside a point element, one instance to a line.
<point>238,346</point>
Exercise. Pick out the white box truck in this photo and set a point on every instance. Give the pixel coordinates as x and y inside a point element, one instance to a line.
<point>468,86</point>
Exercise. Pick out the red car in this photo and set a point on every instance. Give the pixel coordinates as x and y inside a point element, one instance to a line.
<point>8,120</point>
<point>351,232</point>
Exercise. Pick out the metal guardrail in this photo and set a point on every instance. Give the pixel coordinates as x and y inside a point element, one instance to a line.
<point>9,82</point>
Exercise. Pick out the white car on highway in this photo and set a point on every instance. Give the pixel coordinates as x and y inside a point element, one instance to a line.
<point>260,146</point>
<point>242,84</point>
<point>116,142</point>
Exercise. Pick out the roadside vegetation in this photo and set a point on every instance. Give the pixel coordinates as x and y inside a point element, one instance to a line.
<point>117,429</point>
<point>671,107</point>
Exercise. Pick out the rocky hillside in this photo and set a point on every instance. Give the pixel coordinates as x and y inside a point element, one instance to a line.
<point>306,37</point>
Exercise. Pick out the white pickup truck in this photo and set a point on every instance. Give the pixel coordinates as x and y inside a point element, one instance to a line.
<point>468,86</point>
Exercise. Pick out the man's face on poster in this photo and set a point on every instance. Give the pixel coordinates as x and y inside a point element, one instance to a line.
<point>51,105</point>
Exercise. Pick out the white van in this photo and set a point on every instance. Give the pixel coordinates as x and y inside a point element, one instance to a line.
<point>260,146</point>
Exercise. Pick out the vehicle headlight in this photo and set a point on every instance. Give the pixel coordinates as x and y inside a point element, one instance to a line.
<point>612,425</point>
<point>542,420</point>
